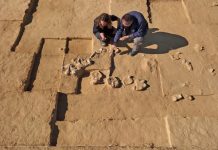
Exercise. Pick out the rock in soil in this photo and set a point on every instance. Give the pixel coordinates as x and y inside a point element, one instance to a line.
<point>114,82</point>
<point>96,77</point>
<point>140,85</point>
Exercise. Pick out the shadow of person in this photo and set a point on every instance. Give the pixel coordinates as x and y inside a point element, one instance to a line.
<point>163,42</point>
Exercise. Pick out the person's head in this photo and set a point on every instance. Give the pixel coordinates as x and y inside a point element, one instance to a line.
<point>103,20</point>
<point>127,20</point>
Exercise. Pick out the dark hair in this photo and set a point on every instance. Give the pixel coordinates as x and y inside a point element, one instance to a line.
<point>127,18</point>
<point>103,17</point>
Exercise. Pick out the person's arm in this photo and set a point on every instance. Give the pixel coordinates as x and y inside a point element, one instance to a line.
<point>141,31</point>
<point>118,35</point>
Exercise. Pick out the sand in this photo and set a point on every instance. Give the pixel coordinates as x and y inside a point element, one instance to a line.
<point>42,108</point>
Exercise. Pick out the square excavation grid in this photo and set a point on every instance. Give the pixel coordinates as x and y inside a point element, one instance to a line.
<point>101,117</point>
<point>80,46</point>
<point>46,71</point>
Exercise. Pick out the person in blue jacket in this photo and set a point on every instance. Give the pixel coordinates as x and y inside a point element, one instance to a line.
<point>133,26</point>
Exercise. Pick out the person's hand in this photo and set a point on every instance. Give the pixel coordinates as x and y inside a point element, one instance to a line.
<point>103,38</point>
<point>124,38</point>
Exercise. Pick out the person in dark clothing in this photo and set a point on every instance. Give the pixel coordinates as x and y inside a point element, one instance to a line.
<point>133,26</point>
<point>103,28</point>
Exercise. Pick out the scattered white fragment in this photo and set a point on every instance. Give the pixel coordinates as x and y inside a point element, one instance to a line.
<point>140,85</point>
<point>96,77</point>
<point>212,71</point>
<point>72,70</point>
<point>199,48</point>
<point>191,97</point>
<point>128,80</point>
<point>187,64</point>
<point>177,97</point>
<point>114,82</point>
<point>101,50</point>
<point>116,50</point>
<point>176,56</point>
<point>184,61</point>
<point>66,69</point>
<point>214,4</point>
<point>80,62</point>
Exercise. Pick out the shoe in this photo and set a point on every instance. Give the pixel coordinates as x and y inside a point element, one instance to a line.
<point>133,53</point>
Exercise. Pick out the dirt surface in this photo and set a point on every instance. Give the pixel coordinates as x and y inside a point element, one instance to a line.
<point>163,98</point>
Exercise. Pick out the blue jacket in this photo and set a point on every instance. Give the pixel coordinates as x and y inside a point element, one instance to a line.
<point>138,29</point>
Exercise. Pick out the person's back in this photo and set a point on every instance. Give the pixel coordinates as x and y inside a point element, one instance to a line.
<point>140,21</point>
<point>133,26</point>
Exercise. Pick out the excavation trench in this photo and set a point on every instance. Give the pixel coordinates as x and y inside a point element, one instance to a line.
<point>27,19</point>
<point>35,66</point>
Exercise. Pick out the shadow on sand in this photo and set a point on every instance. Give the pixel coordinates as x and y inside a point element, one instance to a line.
<point>163,42</point>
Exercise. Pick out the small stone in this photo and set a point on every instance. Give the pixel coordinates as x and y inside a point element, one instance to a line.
<point>184,61</point>
<point>82,62</point>
<point>87,62</point>
<point>117,50</point>
<point>96,78</point>
<point>199,48</point>
<point>188,97</point>
<point>73,70</point>
<point>140,85</point>
<point>101,50</point>
<point>191,98</point>
<point>128,80</point>
<point>202,48</point>
<point>114,82</point>
<point>177,97</point>
<point>66,69</point>
<point>214,4</point>
<point>70,69</point>
<point>79,65</point>
<point>212,71</point>
<point>67,72</point>
<point>176,56</point>
<point>187,64</point>
<point>61,49</point>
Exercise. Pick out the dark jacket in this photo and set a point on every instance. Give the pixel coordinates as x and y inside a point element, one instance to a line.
<point>138,28</point>
<point>106,31</point>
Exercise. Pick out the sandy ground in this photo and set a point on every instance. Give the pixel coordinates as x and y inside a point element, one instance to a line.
<point>43,109</point>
